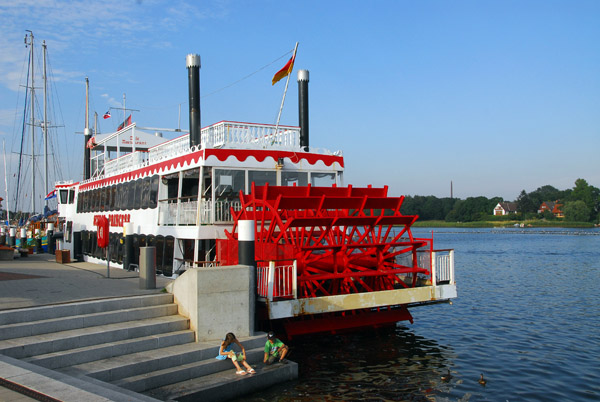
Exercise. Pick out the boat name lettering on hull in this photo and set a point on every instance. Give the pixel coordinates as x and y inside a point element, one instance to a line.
<point>114,219</point>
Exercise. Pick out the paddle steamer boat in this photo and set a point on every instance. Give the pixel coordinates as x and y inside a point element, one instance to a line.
<point>329,256</point>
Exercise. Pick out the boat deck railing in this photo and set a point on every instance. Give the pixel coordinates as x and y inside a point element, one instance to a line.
<point>225,134</point>
<point>232,134</point>
<point>277,280</point>
<point>184,211</point>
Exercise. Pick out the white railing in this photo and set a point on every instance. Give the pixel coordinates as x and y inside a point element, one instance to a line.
<point>167,212</point>
<point>171,212</point>
<point>125,163</point>
<point>223,210</point>
<point>187,212</point>
<point>232,134</point>
<point>169,149</point>
<point>277,281</point>
<point>442,266</point>
<point>225,134</point>
<point>439,262</point>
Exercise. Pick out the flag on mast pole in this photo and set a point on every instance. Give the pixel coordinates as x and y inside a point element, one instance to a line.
<point>286,70</point>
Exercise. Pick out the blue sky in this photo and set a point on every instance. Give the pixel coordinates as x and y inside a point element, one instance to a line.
<point>495,96</point>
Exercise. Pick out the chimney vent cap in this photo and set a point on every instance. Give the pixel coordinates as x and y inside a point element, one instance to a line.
<point>192,60</point>
<point>302,75</point>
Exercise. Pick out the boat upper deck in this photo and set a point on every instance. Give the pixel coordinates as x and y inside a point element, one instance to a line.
<point>117,153</point>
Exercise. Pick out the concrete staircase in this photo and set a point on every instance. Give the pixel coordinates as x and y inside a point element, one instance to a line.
<point>134,348</point>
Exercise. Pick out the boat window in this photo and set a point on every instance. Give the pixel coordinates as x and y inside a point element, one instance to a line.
<point>103,198</point>
<point>171,182</point>
<point>229,183</point>
<point>167,260</point>
<point>189,183</point>
<point>118,196</point>
<point>82,202</point>
<point>63,196</point>
<point>129,201</point>
<point>145,192</point>
<point>322,179</point>
<point>113,197</point>
<point>294,178</point>
<point>159,242</point>
<point>123,196</point>
<point>262,177</point>
<point>207,186</point>
<point>94,200</point>
<point>137,194</point>
<point>152,202</point>
<point>71,196</point>
<point>89,205</point>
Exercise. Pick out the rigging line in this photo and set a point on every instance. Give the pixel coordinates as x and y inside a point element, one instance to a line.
<point>247,76</point>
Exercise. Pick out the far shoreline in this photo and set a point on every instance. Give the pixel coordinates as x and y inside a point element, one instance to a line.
<point>503,224</point>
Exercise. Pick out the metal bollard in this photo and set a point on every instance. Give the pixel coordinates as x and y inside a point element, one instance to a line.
<point>147,267</point>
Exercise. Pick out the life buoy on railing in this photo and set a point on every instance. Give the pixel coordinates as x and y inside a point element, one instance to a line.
<point>103,234</point>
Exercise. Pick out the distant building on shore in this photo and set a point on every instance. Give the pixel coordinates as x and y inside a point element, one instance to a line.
<point>505,208</point>
<point>552,206</point>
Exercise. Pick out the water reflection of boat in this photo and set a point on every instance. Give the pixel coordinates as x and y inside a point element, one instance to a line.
<point>388,364</point>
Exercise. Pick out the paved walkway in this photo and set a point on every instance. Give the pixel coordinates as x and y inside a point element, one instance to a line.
<point>37,280</point>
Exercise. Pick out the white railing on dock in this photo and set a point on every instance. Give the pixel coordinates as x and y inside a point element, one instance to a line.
<point>277,281</point>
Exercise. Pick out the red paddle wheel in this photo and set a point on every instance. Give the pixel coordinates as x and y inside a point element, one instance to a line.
<point>344,240</point>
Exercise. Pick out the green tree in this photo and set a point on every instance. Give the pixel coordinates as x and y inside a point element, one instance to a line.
<point>472,209</point>
<point>525,203</point>
<point>590,195</point>
<point>576,211</point>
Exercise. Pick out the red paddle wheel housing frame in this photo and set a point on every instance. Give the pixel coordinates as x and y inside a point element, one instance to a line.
<point>344,240</point>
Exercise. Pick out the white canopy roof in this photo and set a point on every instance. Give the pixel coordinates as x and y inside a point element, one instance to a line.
<point>124,139</point>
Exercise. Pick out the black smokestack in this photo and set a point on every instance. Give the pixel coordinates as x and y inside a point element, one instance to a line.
<point>192,62</point>
<point>303,107</point>
<point>86,154</point>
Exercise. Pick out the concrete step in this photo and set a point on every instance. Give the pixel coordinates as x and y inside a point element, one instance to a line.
<point>180,373</point>
<point>78,338</point>
<point>134,364</point>
<point>26,329</point>
<point>80,308</point>
<point>225,385</point>
<point>86,354</point>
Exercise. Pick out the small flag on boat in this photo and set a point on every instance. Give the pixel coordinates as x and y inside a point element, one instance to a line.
<point>91,143</point>
<point>51,195</point>
<point>126,123</point>
<point>107,115</point>
<point>286,70</point>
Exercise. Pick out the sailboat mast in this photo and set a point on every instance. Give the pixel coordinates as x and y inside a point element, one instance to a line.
<point>32,126</point>
<point>87,133</point>
<point>6,185</point>
<point>45,124</point>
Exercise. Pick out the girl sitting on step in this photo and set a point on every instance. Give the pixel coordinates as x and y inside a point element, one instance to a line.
<point>226,351</point>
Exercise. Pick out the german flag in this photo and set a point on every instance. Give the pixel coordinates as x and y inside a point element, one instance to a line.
<point>285,71</point>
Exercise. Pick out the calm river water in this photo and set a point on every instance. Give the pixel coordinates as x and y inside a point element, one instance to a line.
<point>527,316</point>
